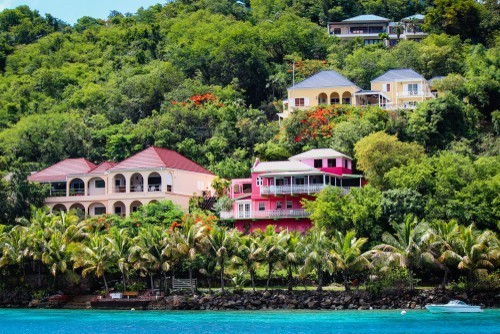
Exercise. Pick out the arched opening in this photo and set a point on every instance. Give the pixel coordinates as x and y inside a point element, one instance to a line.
<point>119,209</point>
<point>236,189</point>
<point>154,182</point>
<point>322,98</point>
<point>334,98</point>
<point>96,186</point>
<point>58,208</point>
<point>97,209</point>
<point>136,183</point>
<point>119,183</point>
<point>169,182</point>
<point>135,206</point>
<point>79,209</point>
<point>77,187</point>
<point>346,98</point>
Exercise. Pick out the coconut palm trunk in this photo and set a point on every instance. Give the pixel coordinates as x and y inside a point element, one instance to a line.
<point>290,278</point>
<point>222,274</point>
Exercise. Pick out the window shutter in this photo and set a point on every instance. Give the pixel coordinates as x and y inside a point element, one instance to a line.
<point>306,101</point>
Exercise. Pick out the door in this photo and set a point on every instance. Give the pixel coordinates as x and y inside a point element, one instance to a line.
<point>244,210</point>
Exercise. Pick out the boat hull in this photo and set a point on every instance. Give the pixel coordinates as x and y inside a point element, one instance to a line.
<point>453,309</point>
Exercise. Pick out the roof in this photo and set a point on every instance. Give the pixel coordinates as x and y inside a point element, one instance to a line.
<point>282,166</point>
<point>319,153</point>
<point>328,78</point>
<point>366,18</point>
<point>416,17</point>
<point>155,157</point>
<point>102,167</point>
<point>433,80</point>
<point>396,75</point>
<point>59,171</point>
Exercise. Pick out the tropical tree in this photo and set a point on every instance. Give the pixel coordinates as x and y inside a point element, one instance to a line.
<point>56,254</point>
<point>249,254</point>
<point>147,254</point>
<point>221,242</point>
<point>317,257</point>
<point>93,257</point>
<point>346,254</point>
<point>292,255</point>
<point>190,242</point>
<point>475,251</point>
<point>445,238</point>
<point>272,244</point>
<point>408,247</point>
<point>15,248</point>
<point>119,243</point>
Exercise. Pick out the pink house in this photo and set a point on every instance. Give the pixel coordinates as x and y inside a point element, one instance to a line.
<point>273,194</point>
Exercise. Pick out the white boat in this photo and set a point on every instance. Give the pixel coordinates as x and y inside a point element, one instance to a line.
<point>454,306</point>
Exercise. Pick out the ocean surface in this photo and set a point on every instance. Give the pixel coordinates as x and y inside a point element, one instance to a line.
<point>14,321</point>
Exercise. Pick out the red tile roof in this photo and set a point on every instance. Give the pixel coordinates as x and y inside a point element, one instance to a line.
<point>62,169</point>
<point>155,157</point>
<point>102,167</point>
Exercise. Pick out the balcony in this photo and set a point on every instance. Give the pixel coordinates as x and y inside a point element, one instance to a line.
<point>270,214</point>
<point>154,188</point>
<point>295,189</point>
<point>415,93</point>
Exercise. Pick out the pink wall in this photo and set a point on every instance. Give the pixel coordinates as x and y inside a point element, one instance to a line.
<point>339,163</point>
<point>301,225</point>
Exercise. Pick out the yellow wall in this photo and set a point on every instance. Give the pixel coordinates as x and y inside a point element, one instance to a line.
<point>312,95</point>
<point>398,94</point>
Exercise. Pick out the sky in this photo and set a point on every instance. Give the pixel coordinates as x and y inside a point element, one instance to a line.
<point>71,10</point>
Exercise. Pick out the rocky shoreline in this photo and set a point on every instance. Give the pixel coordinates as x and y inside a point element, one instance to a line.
<point>265,300</point>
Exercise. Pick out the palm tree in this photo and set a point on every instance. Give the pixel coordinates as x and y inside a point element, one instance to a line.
<point>220,241</point>
<point>273,250</point>
<point>407,247</point>
<point>190,241</point>
<point>119,243</point>
<point>147,252</point>
<point>445,238</point>
<point>292,255</point>
<point>249,254</point>
<point>94,257</point>
<point>317,257</point>
<point>15,248</point>
<point>55,255</point>
<point>346,253</point>
<point>474,250</point>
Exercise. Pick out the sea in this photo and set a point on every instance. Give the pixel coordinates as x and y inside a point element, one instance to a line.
<point>41,321</point>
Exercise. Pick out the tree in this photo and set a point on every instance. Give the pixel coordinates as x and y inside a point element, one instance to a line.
<point>379,152</point>
<point>326,211</point>
<point>316,255</point>
<point>119,243</point>
<point>347,257</point>
<point>94,257</point>
<point>446,234</point>
<point>407,247</point>
<point>221,242</point>
<point>272,244</point>
<point>292,254</point>
<point>249,253</point>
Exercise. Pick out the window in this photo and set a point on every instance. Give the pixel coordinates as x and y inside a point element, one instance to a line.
<point>386,88</point>
<point>346,100</point>
<point>332,162</point>
<point>346,163</point>
<point>100,184</point>
<point>259,181</point>
<point>289,204</point>
<point>118,210</point>
<point>262,206</point>
<point>334,100</point>
<point>299,181</point>
<point>299,102</point>
<point>99,210</point>
<point>336,31</point>
<point>412,89</point>
<point>318,163</point>
<point>279,205</point>
<point>169,188</point>
<point>247,188</point>
<point>118,182</point>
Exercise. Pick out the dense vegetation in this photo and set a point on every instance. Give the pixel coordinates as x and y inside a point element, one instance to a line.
<point>206,78</point>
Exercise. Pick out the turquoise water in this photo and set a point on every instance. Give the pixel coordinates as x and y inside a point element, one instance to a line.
<point>92,321</point>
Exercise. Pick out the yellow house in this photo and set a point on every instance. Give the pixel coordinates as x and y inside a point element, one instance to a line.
<point>397,89</point>
<point>323,88</point>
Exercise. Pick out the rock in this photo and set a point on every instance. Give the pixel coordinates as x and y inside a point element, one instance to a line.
<point>313,304</point>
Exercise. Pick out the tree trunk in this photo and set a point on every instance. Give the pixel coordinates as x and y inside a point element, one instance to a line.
<point>222,275</point>
<point>124,282</point>
<point>346,282</point>
<point>191,279</point>
<point>320,279</point>
<point>410,271</point>
<point>444,283</point>
<point>152,284</point>
<point>105,282</point>
<point>290,278</point>
<point>39,273</point>
<point>252,276</point>
<point>269,271</point>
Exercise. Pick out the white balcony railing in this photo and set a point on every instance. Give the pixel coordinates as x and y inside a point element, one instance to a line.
<point>292,189</point>
<point>286,213</point>
<point>416,93</point>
